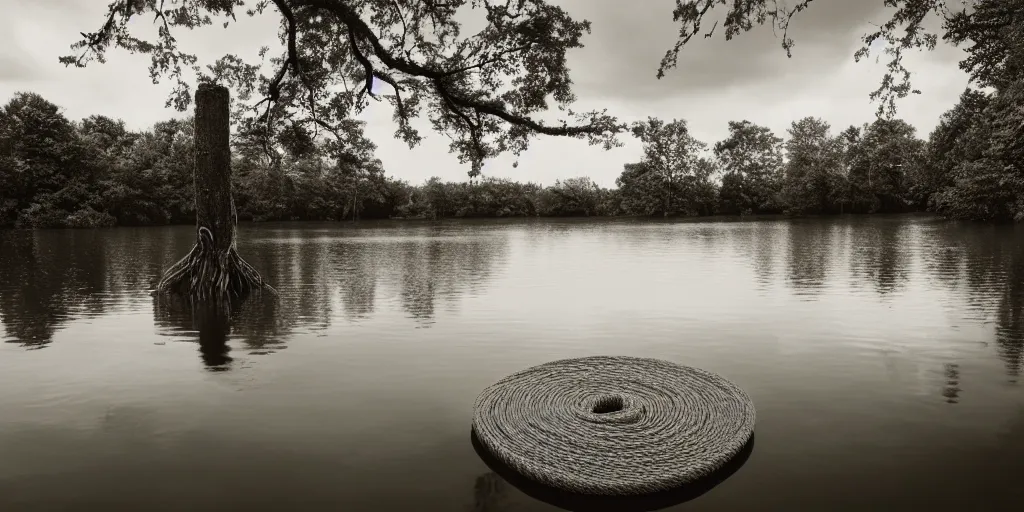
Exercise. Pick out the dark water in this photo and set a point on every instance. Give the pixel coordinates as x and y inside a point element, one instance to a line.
<point>884,356</point>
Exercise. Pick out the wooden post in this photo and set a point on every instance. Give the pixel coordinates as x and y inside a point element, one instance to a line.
<point>214,204</point>
<point>213,269</point>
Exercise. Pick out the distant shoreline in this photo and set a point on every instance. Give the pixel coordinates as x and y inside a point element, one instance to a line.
<point>517,219</point>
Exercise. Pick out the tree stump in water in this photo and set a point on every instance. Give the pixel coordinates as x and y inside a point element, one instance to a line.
<point>213,269</point>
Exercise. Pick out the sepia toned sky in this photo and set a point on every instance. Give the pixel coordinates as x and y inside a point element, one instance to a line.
<point>716,81</point>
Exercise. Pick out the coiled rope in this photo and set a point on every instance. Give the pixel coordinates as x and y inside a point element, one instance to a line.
<point>613,425</point>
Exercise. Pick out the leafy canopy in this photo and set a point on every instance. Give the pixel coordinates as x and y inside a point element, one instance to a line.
<point>482,90</point>
<point>669,148</point>
<point>750,150</point>
<point>485,90</point>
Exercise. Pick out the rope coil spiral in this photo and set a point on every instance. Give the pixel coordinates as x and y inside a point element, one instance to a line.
<point>613,426</point>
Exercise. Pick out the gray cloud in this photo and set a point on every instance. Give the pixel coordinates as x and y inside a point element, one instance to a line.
<point>628,42</point>
<point>16,68</point>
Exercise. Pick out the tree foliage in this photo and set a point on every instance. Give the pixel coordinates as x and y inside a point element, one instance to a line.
<point>751,160</point>
<point>672,165</point>
<point>95,172</point>
<point>880,158</point>
<point>994,30</point>
<point>482,90</point>
<point>45,166</point>
<point>976,154</point>
<point>814,175</point>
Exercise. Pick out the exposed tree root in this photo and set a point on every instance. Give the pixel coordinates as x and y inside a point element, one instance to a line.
<point>206,273</point>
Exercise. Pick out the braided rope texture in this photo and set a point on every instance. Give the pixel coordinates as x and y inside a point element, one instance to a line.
<point>613,425</point>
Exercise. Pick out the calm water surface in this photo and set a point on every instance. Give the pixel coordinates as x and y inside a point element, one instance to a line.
<point>884,356</point>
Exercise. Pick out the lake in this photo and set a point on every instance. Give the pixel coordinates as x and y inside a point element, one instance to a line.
<point>883,354</point>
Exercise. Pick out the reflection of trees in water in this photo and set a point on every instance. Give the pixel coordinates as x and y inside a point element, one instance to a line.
<point>445,269</point>
<point>809,255</point>
<point>48,278</point>
<point>309,271</point>
<point>137,257</point>
<point>880,253</point>
<point>425,263</point>
<point>982,264</point>
<point>985,264</point>
<point>299,268</point>
<point>51,277</point>
<point>1010,315</point>
<point>766,244</point>
<point>942,255</point>
<point>357,270</point>
<point>989,254</point>
<point>951,390</point>
<point>418,289</point>
<point>253,322</point>
<point>761,242</point>
<point>971,260</point>
<point>994,278</point>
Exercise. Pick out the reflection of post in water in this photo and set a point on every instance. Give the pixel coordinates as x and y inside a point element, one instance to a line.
<point>252,321</point>
<point>488,493</point>
<point>208,320</point>
<point>214,326</point>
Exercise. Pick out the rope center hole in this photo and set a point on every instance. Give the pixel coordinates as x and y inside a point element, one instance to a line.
<point>608,404</point>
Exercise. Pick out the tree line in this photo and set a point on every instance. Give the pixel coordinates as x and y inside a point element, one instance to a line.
<point>55,172</point>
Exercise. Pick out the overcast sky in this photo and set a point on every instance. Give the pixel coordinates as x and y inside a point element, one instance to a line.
<point>716,81</point>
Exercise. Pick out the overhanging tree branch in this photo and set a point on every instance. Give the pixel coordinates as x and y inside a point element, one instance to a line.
<point>359,29</point>
<point>525,41</point>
